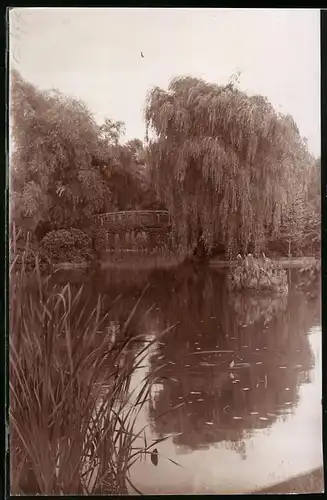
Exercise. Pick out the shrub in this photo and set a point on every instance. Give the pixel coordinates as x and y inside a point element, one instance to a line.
<point>67,245</point>
<point>257,275</point>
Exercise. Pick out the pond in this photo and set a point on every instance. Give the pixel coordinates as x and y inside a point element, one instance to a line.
<point>238,388</point>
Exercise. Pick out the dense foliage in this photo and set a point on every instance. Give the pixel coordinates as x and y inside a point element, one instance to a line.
<point>232,172</point>
<point>64,245</point>
<point>225,163</point>
<point>69,387</point>
<point>300,231</point>
<point>64,167</point>
<point>257,275</point>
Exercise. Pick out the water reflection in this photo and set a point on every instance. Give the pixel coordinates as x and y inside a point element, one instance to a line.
<point>237,364</point>
<point>248,385</point>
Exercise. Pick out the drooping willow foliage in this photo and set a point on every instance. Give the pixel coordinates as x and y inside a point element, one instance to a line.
<point>225,163</point>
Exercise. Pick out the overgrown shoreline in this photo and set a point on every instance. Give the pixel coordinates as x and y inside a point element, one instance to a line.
<point>63,438</point>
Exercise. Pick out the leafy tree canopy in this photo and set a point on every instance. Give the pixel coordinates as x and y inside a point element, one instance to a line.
<point>226,164</point>
<point>64,167</point>
<point>55,138</point>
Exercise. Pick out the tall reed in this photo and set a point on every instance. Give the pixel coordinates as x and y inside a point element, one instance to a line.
<point>68,436</point>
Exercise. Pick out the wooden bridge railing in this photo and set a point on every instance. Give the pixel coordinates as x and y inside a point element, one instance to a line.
<point>145,218</point>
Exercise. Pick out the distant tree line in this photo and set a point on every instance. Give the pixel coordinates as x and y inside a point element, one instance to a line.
<point>235,175</point>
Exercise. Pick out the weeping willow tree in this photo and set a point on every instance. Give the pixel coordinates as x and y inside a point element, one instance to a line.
<point>225,163</point>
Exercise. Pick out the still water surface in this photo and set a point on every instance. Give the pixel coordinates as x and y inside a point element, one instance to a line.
<point>241,418</point>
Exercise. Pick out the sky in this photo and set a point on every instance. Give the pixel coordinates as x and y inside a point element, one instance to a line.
<point>94,54</point>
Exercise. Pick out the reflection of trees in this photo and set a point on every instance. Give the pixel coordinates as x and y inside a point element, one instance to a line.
<point>222,403</point>
<point>251,308</point>
<point>271,355</point>
<point>119,293</point>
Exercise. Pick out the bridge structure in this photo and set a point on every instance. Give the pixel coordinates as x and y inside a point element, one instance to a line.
<point>132,230</point>
<point>143,219</point>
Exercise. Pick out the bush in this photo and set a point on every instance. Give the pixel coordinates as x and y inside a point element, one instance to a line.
<point>257,275</point>
<point>67,245</point>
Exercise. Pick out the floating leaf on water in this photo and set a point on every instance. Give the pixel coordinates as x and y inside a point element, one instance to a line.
<point>171,363</point>
<point>238,418</point>
<point>232,364</point>
<point>154,457</point>
<point>187,366</point>
<point>209,423</point>
<point>195,392</point>
<point>287,388</point>
<point>254,413</point>
<point>235,381</point>
<point>244,326</point>
<point>212,317</point>
<point>200,399</point>
<point>180,397</point>
<point>246,388</point>
<point>259,363</point>
<point>288,403</point>
<point>282,367</point>
<point>198,348</point>
<point>245,346</point>
<point>232,375</point>
<point>263,418</point>
<point>271,414</point>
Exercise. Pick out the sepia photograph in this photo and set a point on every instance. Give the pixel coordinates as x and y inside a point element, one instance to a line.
<point>165,331</point>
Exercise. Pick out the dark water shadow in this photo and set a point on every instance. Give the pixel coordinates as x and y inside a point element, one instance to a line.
<point>264,355</point>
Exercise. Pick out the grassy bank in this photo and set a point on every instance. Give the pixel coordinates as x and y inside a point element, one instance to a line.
<point>65,437</point>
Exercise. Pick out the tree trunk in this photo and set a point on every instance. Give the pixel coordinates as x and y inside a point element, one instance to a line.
<point>200,253</point>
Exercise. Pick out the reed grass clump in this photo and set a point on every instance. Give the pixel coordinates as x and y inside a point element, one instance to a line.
<point>257,275</point>
<point>72,413</point>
